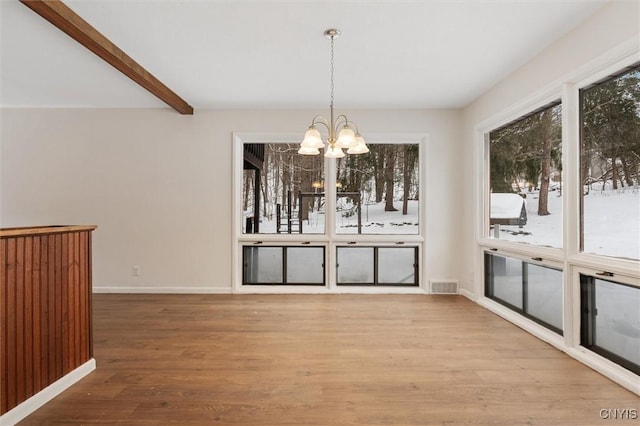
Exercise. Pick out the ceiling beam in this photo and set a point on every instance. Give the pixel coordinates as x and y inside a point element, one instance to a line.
<point>61,16</point>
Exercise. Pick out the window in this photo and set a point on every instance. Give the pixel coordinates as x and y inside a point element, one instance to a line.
<point>377,192</point>
<point>546,186</point>
<point>525,179</point>
<point>610,323</point>
<point>377,265</point>
<point>610,166</point>
<point>282,190</point>
<point>504,280</point>
<point>283,265</point>
<point>288,212</point>
<point>530,289</point>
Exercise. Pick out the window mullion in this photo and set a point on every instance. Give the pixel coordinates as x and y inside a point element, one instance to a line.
<point>330,197</point>
<point>571,169</point>
<point>525,287</point>
<point>375,266</point>
<point>284,266</point>
<point>587,310</point>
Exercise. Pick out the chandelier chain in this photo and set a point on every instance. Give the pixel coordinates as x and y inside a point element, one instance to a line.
<point>332,37</point>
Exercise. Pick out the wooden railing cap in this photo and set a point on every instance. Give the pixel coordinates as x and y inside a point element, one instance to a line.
<point>40,230</point>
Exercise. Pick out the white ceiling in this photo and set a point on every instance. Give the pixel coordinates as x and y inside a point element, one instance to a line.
<point>272,54</point>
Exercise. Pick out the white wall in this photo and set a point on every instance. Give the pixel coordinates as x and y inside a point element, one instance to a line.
<point>613,31</point>
<point>158,185</point>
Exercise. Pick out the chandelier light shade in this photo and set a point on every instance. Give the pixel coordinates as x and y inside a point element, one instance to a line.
<point>341,131</point>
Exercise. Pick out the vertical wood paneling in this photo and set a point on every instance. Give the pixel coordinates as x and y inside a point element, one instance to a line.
<point>84,260</point>
<point>57,302</point>
<point>28,319</point>
<point>89,311</point>
<point>37,319</point>
<point>51,307</point>
<point>64,307</point>
<point>44,310</point>
<point>76,299</point>
<point>3,330</point>
<point>19,319</point>
<point>71,303</point>
<point>45,304</point>
<point>11,321</point>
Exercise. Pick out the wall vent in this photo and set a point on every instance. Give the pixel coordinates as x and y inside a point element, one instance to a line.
<point>443,287</point>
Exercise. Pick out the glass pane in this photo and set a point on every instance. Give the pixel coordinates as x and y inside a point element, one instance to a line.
<point>507,279</point>
<point>262,265</point>
<point>610,167</point>
<point>355,265</point>
<point>525,168</point>
<point>378,191</point>
<point>396,265</point>
<point>282,190</point>
<point>544,294</point>
<point>617,322</point>
<point>305,265</point>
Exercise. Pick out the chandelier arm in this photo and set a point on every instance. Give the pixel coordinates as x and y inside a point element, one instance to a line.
<point>341,120</point>
<point>342,117</point>
<point>319,119</point>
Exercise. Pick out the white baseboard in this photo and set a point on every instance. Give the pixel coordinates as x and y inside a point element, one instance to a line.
<point>621,376</point>
<point>164,290</point>
<point>526,324</point>
<point>265,289</point>
<point>469,295</point>
<point>27,407</point>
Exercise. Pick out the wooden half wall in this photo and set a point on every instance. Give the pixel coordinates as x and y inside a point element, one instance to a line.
<point>45,308</point>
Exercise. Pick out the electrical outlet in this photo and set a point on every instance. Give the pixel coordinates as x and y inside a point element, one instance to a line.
<point>135,270</point>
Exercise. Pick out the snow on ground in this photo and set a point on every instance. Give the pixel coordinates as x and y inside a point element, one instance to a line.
<point>611,223</point>
<point>374,220</point>
<point>539,230</point>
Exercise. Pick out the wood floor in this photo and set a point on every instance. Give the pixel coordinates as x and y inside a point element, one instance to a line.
<point>324,360</point>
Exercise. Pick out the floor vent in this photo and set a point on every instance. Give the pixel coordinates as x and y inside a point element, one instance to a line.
<point>444,287</point>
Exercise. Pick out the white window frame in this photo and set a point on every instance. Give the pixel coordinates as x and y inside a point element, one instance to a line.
<point>330,239</point>
<point>569,257</point>
<point>548,263</point>
<point>555,253</point>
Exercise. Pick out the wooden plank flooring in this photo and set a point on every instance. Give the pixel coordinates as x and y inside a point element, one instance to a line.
<point>324,360</point>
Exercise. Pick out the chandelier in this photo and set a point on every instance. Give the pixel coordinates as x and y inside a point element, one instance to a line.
<point>347,133</point>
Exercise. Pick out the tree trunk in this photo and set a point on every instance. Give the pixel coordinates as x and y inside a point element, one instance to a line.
<point>265,195</point>
<point>585,158</point>
<point>248,184</point>
<point>378,174</point>
<point>408,166</point>
<point>305,186</point>
<point>275,179</point>
<point>256,200</point>
<point>390,164</point>
<point>545,163</point>
<point>354,183</point>
<point>285,179</point>
<point>627,172</point>
<point>615,176</point>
